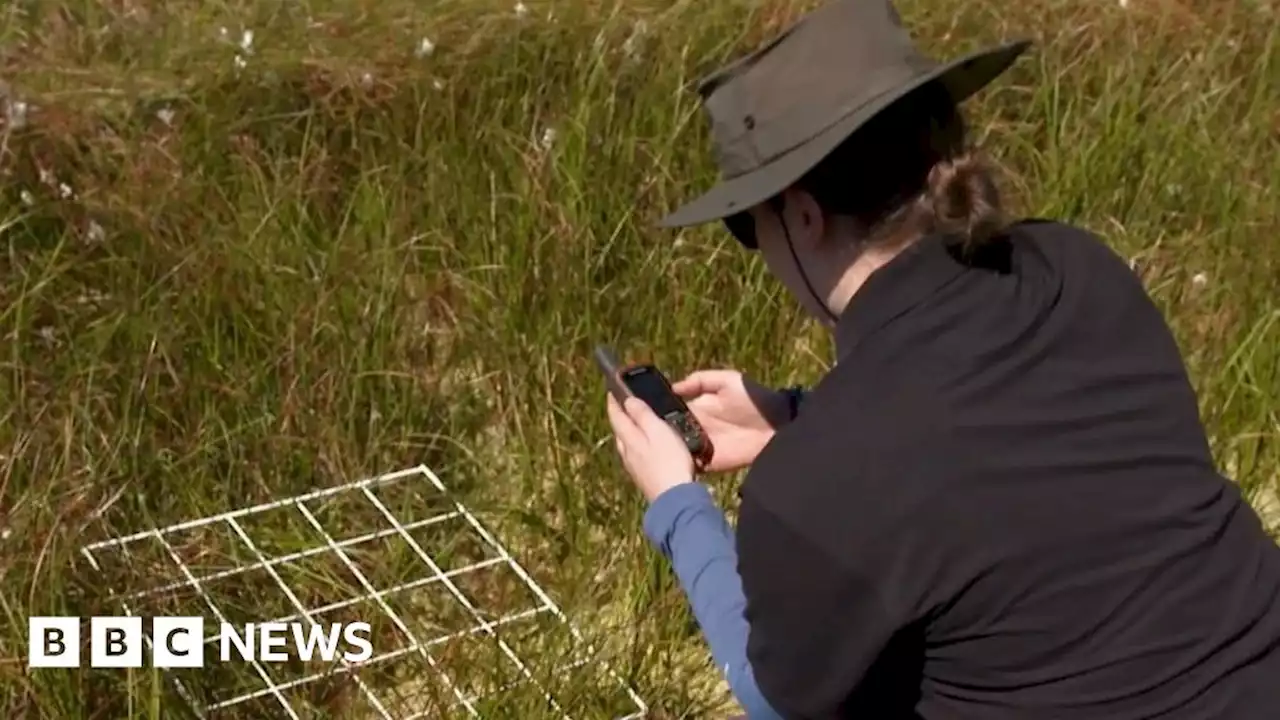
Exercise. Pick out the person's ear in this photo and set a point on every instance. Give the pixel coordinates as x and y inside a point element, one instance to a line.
<point>804,219</point>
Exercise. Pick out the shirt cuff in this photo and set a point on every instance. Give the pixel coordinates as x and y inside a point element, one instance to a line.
<point>672,508</point>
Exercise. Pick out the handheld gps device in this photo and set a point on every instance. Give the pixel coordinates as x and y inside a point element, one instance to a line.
<point>651,386</point>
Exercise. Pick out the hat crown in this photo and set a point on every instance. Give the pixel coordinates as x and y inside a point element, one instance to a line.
<point>778,112</point>
<point>841,55</point>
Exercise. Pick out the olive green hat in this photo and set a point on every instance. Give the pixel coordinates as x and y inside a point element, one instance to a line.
<point>776,113</point>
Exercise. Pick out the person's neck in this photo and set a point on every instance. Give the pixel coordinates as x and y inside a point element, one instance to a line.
<point>856,274</point>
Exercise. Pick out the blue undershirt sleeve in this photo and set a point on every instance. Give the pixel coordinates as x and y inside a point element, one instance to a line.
<point>686,526</point>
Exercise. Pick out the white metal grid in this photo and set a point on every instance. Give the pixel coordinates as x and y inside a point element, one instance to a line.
<point>481,621</point>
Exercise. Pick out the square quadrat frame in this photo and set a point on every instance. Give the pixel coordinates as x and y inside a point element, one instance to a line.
<point>431,574</point>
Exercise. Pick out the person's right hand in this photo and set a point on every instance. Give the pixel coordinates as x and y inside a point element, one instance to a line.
<point>739,415</point>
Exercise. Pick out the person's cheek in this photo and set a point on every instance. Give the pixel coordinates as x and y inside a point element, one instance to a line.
<point>778,260</point>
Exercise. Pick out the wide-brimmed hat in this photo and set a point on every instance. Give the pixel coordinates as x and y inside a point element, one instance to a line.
<point>776,113</point>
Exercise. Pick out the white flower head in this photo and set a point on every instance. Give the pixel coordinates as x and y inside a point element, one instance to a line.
<point>5,534</point>
<point>246,41</point>
<point>65,191</point>
<point>1200,279</point>
<point>95,233</point>
<point>92,297</point>
<point>166,115</point>
<point>15,114</point>
<point>240,62</point>
<point>27,198</point>
<point>631,46</point>
<point>521,10</point>
<point>548,138</point>
<point>425,48</point>
<point>437,84</point>
<point>366,80</point>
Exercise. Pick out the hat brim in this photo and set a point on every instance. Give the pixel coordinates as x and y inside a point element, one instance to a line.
<point>961,77</point>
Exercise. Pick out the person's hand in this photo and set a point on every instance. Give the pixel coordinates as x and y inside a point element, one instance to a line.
<point>739,415</point>
<point>653,453</point>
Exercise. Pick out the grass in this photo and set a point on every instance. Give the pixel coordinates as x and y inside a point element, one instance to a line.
<point>343,256</point>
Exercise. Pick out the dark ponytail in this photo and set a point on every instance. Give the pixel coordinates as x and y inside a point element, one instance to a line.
<point>908,172</point>
<point>960,201</point>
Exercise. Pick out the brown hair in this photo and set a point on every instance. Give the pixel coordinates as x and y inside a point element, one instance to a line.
<point>908,172</point>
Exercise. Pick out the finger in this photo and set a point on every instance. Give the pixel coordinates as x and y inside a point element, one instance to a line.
<point>625,429</point>
<point>700,383</point>
<point>617,416</point>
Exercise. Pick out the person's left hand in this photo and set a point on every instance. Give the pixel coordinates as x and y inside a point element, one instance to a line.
<point>653,453</point>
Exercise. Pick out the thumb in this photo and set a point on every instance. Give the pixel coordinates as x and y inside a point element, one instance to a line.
<point>643,416</point>
<point>702,382</point>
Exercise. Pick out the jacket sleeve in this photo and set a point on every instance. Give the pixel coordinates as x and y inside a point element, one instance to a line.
<point>817,627</point>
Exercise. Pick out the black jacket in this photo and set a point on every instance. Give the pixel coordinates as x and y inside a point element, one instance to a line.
<point>1000,504</point>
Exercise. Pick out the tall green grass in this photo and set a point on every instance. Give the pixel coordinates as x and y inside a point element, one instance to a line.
<point>342,256</point>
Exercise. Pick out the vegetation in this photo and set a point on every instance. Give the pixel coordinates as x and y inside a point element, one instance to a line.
<point>250,248</point>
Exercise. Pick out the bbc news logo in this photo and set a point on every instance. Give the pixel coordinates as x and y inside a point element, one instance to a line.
<point>179,642</point>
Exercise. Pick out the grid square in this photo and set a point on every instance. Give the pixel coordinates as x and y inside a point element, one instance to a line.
<point>178,599</point>
<point>483,667</point>
<point>413,499</point>
<point>497,591</point>
<point>209,549</point>
<point>334,695</point>
<point>347,514</point>
<point>521,700</point>
<point>259,706</point>
<point>548,638</point>
<point>129,567</point>
<point>591,691</point>
<point>408,686</point>
<point>253,596</point>
<point>315,579</point>
<point>385,635</point>
<point>217,681</point>
<point>445,710</point>
<point>432,614</point>
<point>453,543</point>
<point>294,671</point>
<point>387,562</point>
<point>280,531</point>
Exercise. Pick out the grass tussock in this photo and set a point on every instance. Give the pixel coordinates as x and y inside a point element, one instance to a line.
<point>250,248</point>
